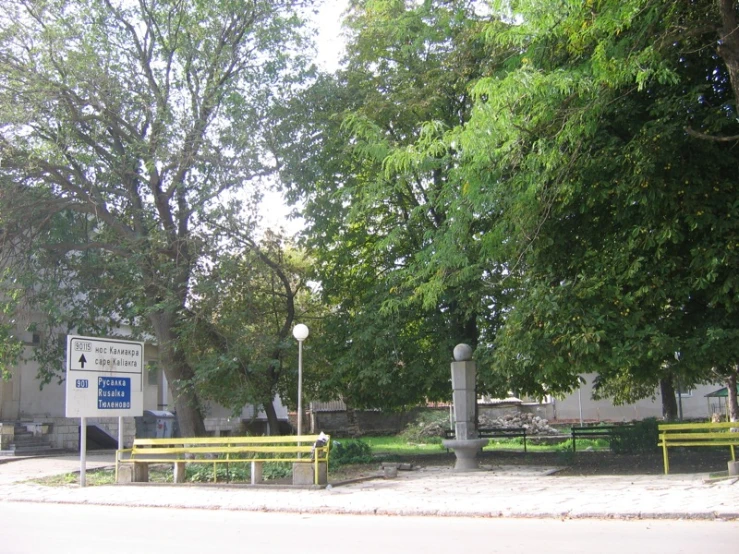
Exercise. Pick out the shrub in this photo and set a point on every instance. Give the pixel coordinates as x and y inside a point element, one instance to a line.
<point>640,439</point>
<point>350,452</point>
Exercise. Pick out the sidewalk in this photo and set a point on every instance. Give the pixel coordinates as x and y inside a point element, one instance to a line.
<point>507,491</point>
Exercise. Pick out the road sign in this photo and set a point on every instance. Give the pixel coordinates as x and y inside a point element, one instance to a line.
<point>104,377</point>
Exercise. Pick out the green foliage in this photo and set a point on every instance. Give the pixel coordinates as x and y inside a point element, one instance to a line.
<point>350,452</point>
<point>375,204</point>
<point>238,338</point>
<point>642,438</point>
<point>235,472</point>
<point>124,126</point>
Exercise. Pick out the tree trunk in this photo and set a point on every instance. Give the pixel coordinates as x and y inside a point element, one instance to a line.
<point>179,376</point>
<point>272,423</point>
<point>732,396</point>
<point>669,401</point>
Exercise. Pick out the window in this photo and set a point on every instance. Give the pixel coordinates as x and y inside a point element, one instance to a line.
<point>152,373</point>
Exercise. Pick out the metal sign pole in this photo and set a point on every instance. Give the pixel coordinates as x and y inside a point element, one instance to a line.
<point>83,451</point>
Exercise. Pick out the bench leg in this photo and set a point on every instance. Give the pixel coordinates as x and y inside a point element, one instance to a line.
<point>666,459</point>
<point>256,473</point>
<point>179,472</point>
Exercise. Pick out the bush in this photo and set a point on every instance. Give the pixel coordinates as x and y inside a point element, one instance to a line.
<point>351,452</point>
<point>640,439</point>
<point>235,472</point>
<point>203,473</point>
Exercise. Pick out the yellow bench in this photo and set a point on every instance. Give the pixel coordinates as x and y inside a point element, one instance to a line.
<point>312,449</point>
<point>697,434</point>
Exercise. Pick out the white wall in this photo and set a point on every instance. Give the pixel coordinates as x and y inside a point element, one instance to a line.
<point>694,405</point>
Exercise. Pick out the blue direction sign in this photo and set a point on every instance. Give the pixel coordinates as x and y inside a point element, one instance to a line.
<point>114,393</point>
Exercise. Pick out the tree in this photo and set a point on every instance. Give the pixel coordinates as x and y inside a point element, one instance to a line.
<point>617,225</point>
<point>238,339</point>
<point>124,125</point>
<point>373,218</point>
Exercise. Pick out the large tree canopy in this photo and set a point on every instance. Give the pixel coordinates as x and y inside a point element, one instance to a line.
<point>123,126</point>
<point>565,169</point>
<point>607,148</point>
<point>373,227</point>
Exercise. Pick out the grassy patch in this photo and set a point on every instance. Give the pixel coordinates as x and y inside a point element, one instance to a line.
<point>394,445</point>
<point>195,473</point>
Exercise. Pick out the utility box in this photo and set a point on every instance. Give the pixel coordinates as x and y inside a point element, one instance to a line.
<point>156,424</point>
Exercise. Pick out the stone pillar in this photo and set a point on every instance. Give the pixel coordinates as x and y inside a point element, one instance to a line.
<point>466,444</point>
<point>464,374</point>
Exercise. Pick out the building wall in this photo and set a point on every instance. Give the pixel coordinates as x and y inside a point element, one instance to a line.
<point>695,405</point>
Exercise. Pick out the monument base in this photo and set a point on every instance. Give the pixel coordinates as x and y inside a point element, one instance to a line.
<point>466,452</point>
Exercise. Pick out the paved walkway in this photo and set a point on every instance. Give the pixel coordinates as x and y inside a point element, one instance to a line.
<point>507,491</point>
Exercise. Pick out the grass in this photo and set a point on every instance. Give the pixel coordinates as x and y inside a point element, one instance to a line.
<point>395,445</point>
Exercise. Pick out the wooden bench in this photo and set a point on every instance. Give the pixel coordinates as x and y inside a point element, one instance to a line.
<point>496,433</point>
<point>313,449</point>
<point>596,432</point>
<point>697,434</point>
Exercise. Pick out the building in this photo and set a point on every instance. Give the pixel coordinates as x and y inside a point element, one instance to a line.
<point>694,404</point>
<point>32,418</point>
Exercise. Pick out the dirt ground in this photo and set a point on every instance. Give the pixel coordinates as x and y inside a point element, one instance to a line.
<point>693,460</point>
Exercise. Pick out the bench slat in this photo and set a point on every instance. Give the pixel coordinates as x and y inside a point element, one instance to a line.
<point>699,436</point>
<point>292,439</point>
<point>220,449</point>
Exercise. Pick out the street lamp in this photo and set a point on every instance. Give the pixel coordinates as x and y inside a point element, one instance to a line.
<point>300,332</point>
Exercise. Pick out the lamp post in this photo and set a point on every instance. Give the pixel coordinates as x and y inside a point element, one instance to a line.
<point>300,332</point>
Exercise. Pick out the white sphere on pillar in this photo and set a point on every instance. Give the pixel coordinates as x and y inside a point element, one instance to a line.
<point>462,352</point>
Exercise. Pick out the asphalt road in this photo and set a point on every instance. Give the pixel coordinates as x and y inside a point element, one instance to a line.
<point>31,528</point>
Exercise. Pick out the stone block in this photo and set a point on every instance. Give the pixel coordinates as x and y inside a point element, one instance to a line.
<point>257,473</point>
<point>464,375</point>
<point>303,473</point>
<point>133,473</point>
<point>464,404</point>
<point>125,474</point>
<point>465,430</point>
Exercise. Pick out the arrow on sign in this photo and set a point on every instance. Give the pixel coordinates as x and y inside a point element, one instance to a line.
<point>83,361</point>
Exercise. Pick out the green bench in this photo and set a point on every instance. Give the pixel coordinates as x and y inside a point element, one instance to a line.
<point>495,433</point>
<point>597,432</point>
<point>697,434</point>
<point>306,449</point>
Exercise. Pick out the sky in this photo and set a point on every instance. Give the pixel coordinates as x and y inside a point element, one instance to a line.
<point>330,49</point>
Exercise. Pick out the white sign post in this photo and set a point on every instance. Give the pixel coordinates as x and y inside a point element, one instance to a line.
<point>104,379</point>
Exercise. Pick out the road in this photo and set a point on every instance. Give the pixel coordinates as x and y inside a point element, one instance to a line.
<point>30,528</point>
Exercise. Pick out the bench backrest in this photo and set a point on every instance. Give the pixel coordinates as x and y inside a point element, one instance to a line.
<point>695,434</point>
<point>225,441</point>
<point>215,445</point>
<point>667,428</point>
